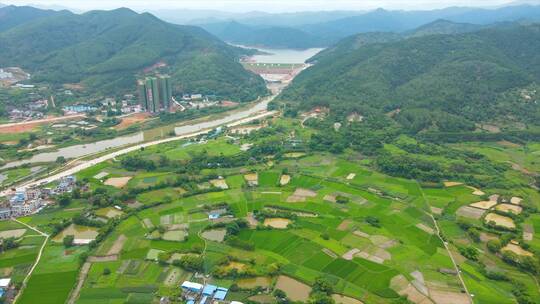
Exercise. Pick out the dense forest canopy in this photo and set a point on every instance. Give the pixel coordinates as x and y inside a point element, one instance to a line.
<point>105,50</point>
<point>446,81</point>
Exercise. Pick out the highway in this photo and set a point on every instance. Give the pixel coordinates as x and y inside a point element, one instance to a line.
<point>257,112</point>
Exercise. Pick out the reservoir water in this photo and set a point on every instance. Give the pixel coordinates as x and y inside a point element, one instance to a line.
<point>284,55</point>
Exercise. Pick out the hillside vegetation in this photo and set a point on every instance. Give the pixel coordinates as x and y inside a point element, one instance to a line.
<point>479,76</point>
<point>105,50</point>
<point>11,16</point>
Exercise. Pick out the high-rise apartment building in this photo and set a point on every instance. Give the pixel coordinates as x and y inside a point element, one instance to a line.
<point>155,93</point>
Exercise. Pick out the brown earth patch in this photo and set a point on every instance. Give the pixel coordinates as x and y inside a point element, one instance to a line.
<point>117,182</point>
<point>509,208</point>
<point>448,297</point>
<point>344,225</point>
<point>117,246</point>
<point>470,212</point>
<point>528,232</point>
<point>516,249</point>
<point>425,228</point>
<point>330,198</point>
<point>500,220</point>
<point>330,253</point>
<point>349,255</point>
<point>484,204</point>
<point>436,210</point>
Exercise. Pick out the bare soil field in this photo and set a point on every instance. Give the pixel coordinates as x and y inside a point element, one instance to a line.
<point>295,290</point>
<point>516,200</point>
<point>436,210</point>
<point>361,234</point>
<point>117,182</point>
<point>27,126</point>
<point>448,297</point>
<point>147,223</point>
<point>278,223</point>
<point>339,299</point>
<point>509,208</point>
<point>219,183</point>
<point>500,220</point>
<point>330,253</point>
<point>425,228</point>
<point>345,225</point>
<point>528,232</point>
<point>252,179</point>
<point>484,204</point>
<point>330,198</point>
<point>284,179</point>
<point>117,246</point>
<point>402,286</point>
<point>452,184</point>
<point>349,255</point>
<point>16,233</point>
<point>131,120</point>
<point>470,212</point>
<point>516,249</point>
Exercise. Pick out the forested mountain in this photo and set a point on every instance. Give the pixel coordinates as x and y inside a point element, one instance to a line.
<point>11,16</point>
<point>443,80</point>
<point>442,26</point>
<point>105,50</point>
<point>274,36</point>
<point>400,21</point>
<point>254,18</point>
<point>316,31</point>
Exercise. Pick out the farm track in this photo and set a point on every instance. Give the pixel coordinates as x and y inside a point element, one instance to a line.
<point>438,231</point>
<point>74,295</point>
<point>25,281</point>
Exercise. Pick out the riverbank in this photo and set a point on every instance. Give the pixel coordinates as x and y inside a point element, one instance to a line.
<point>240,117</point>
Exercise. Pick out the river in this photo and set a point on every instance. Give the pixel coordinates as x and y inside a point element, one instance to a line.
<point>77,151</point>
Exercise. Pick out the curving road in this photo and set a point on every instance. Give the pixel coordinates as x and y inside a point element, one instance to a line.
<point>256,112</point>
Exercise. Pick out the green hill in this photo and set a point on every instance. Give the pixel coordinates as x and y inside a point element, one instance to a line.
<point>106,50</point>
<point>11,16</point>
<point>265,36</point>
<point>477,76</point>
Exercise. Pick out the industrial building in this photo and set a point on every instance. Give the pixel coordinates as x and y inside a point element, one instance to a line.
<point>155,93</point>
<point>195,293</point>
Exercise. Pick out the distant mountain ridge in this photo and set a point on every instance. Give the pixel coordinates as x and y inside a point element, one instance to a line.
<point>11,16</point>
<point>107,50</point>
<point>325,33</point>
<point>459,78</point>
<point>277,37</point>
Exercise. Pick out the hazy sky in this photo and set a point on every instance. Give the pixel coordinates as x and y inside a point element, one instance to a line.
<point>263,5</point>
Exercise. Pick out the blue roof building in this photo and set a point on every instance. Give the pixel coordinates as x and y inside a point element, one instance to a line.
<point>221,293</point>
<point>194,287</point>
<point>209,290</point>
<point>203,300</point>
<point>1,292</point>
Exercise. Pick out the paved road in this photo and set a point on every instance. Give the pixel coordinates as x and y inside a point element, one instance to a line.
<point>42,121</point>
<point>203,128</point>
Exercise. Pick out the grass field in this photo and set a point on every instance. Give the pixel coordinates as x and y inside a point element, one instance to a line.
<point>380,228</point>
